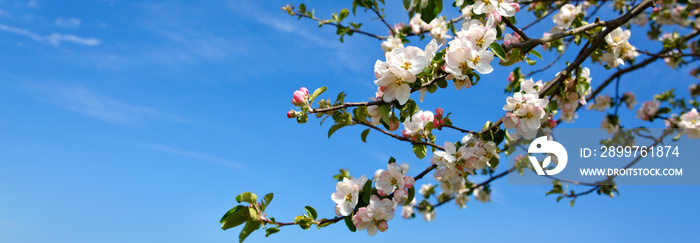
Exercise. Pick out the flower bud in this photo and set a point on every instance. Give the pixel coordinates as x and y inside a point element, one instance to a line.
<point>393,123</point>
<point>291,114</point>
<point>299,97</point>
<point>552,123</point>
<point>303,89</point>
<point>408,181</point>
<point>439,111</point>
<point>511,77</point>
<point>382,226</point>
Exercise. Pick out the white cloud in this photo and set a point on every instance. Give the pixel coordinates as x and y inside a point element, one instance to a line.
<point>67,23</point>
<point>92,104</point>
<point>54,39</point>
<point>194,155</point>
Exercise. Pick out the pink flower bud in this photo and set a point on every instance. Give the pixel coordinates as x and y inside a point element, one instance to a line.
<point>303,89</point>
<point>406,134</point>
<point>511,77</point>
<point>516,6</point>
<point>393,123</point>
<point>439,112</point>
<point>408,181</point>
<point>552,123</point>
<point>291,114</point>
<point>299,97</point>
<point>382,226</point>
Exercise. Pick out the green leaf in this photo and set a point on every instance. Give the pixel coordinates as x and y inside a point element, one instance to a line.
<point>498,50</point>
<point>493,162</point>
<point>248,197</point>
<point>348,222</point>
<point>266,200</point>
<point>406,4</point>
<point>249,227</point>
<point>442,83</point>
<point>302,8</point>
<point>392,160</point>
<point>343,13</point>
<point>311,212</point>
<point>571,203</point>
<point>384,111</point>
<point>420,150</point>
<point>411,195</point>
<point>367,191</point>
<point>235,217</point>
<point>334,128</point>
<point>663,110</point>
<point>364,135</point>
<point>537,54</point>
<point>431,10</point>
<point>270,231</point>
<point>530,61</point>
<point>316,93</point>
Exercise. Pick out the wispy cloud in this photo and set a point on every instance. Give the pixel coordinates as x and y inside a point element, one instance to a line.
<point>84,101</point>
<point>194,155</point>
<point>54,39</point>
<point>67,23</point>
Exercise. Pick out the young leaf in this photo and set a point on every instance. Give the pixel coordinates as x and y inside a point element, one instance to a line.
<point>537,54</point>
<point>384,111</point>
<point>249,227</point>
<point>411,195</point>
<point>364,135</point>
<point>367,191</point>
<point>266,200</point>
<point>270,231</point>
<point>334,128</point>
<point>311,211</point>
<point>348,222</point>
<point>235,217</point>
<point>420,150</point>
<point>248,197</point>
<point>406,4</point>
<point>316,93</point>
<point>498,50</point>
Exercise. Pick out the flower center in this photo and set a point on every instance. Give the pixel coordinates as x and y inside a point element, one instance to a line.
<point>476,59</point>
<point>393,181</point>
<point>530,115</point>
<point>348,197</point>
<point>463,65</point>
<point>406,65</point>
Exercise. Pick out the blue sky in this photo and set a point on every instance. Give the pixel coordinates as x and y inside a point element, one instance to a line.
<point>140,121</point>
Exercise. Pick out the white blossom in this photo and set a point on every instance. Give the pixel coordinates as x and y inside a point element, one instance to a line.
<point>648,110</point>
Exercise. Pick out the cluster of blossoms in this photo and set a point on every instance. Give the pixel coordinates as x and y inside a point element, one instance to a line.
<point>619,49</point>
<point>346,194</point>
<point>494,9</point>
<point>374,217</point>
<point>573,95</point>
<point>455,162</point>
<point>414,127</point>
<point>525,110</point>
<point>437,28</point>
<point>672,13</point>
<point>469,52</point>
<point>566,16</point>
<point>400,69</point>
<point>648,110</point>
<point>669,40</point>
<point>394,180</point>
<point>690,124</point>
<point>438,119</point>
<point>602,103</point>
